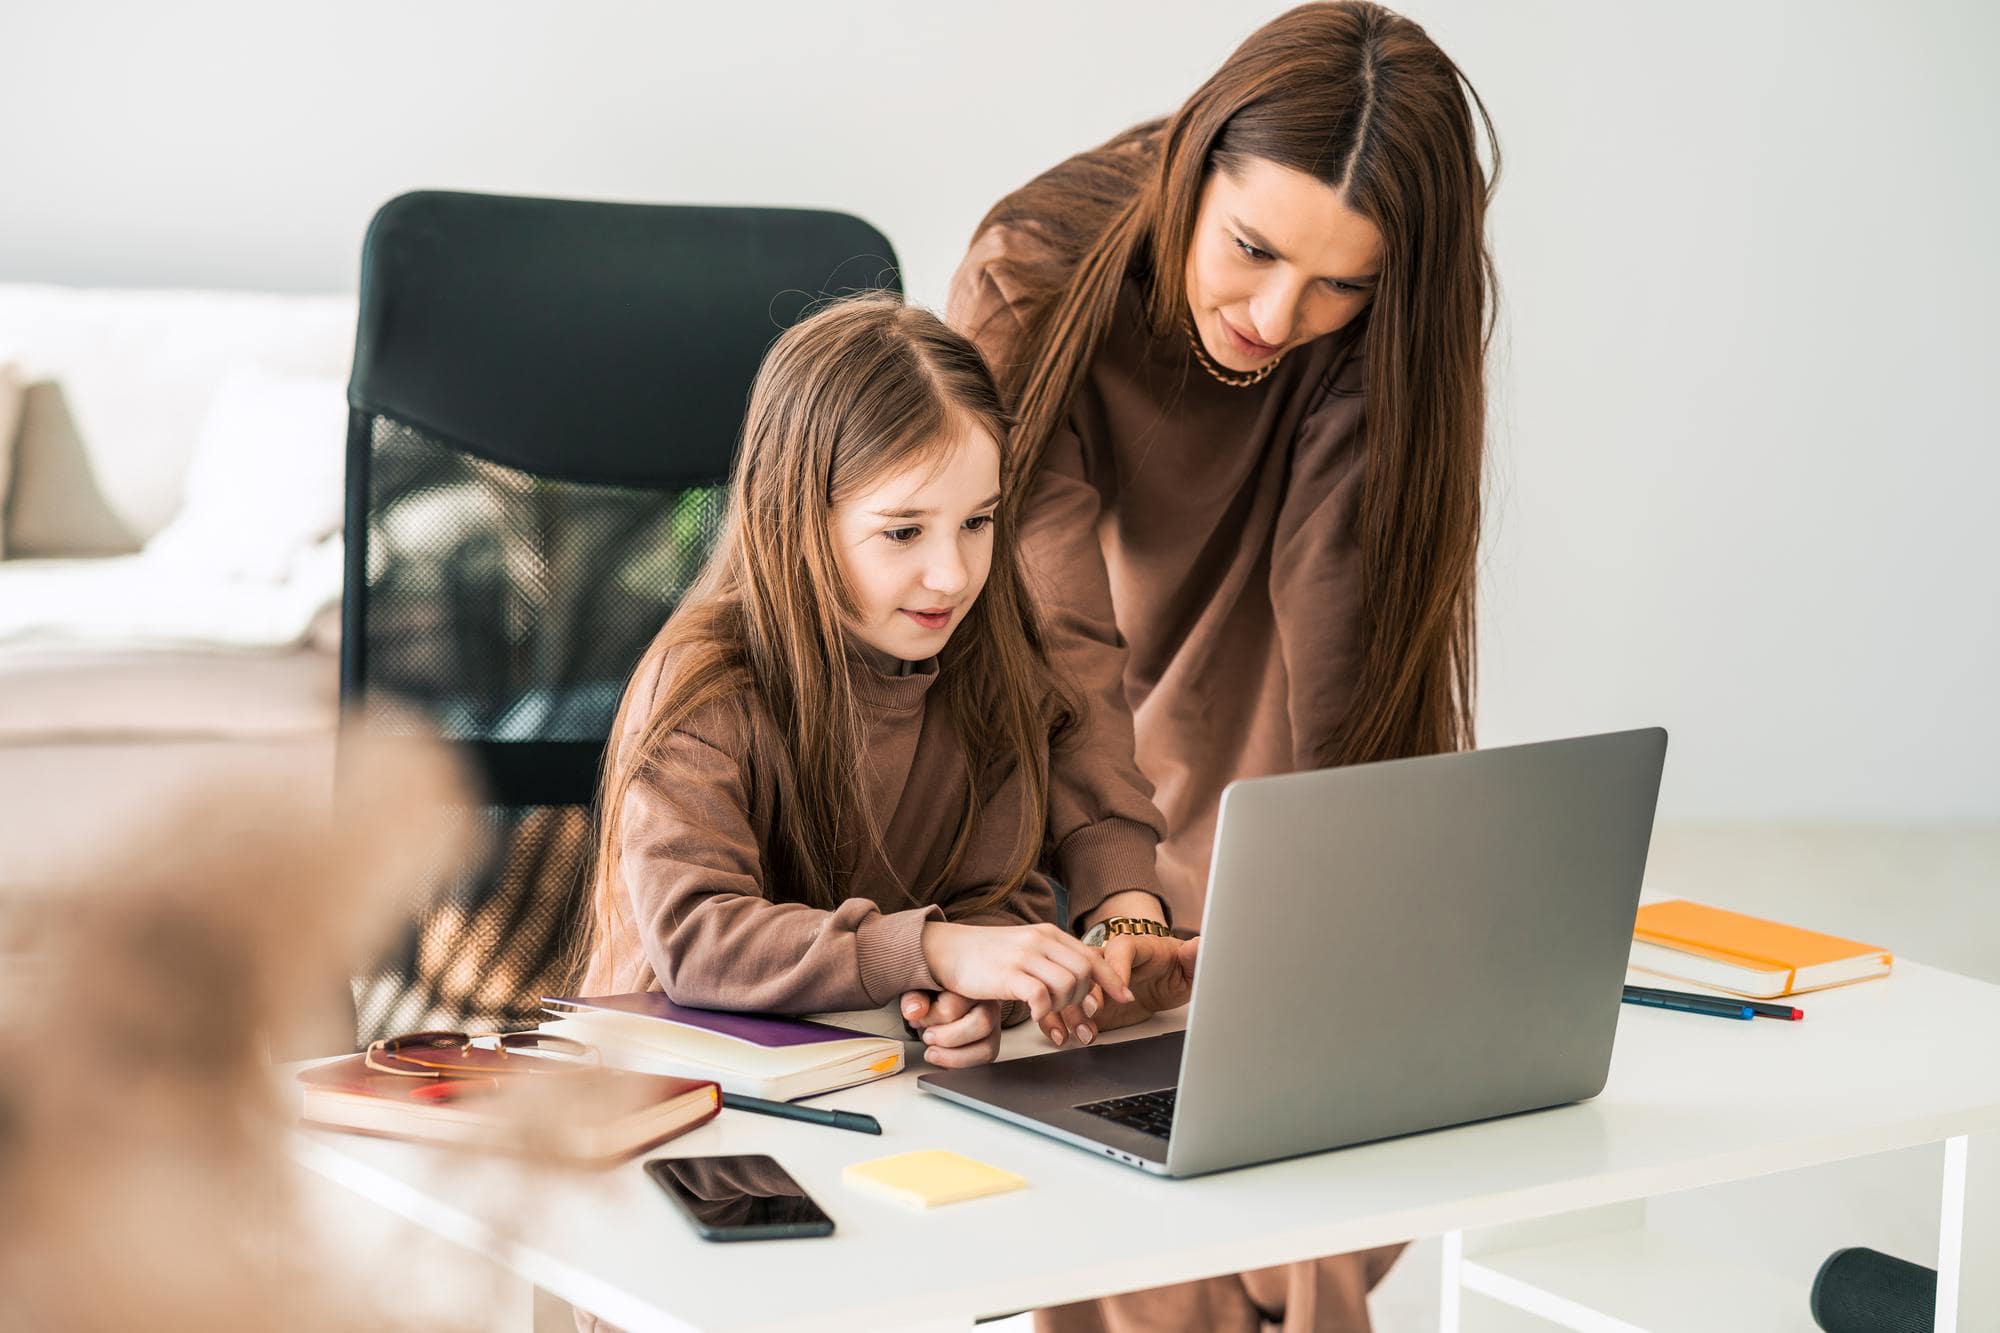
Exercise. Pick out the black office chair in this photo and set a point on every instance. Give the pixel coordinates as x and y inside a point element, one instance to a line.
<point>545,400</point>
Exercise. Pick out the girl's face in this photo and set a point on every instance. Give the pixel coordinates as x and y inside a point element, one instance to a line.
<point>1277,259</point>
<point>915,547</point>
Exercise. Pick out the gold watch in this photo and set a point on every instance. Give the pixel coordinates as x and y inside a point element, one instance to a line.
<point>1099,934</point>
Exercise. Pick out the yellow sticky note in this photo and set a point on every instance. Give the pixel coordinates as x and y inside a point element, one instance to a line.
<point>927,1179</point>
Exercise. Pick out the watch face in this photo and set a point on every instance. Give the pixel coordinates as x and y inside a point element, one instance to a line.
<point>1096,935</point>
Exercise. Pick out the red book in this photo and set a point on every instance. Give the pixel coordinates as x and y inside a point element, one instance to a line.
<point>590,1114</point>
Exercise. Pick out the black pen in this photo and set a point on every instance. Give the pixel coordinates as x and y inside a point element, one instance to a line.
<point>812,1115</point>
<point>1757,1007</point>
<point>1692,1004</point>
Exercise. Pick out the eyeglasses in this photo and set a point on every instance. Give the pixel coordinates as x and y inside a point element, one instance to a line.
<point>457,1054</point>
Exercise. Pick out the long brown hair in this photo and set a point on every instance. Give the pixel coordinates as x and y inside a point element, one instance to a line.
<point>858,391</point>
<point>1361,99</point>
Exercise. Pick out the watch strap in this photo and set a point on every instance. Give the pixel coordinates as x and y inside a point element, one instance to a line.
<point>1101,933</point>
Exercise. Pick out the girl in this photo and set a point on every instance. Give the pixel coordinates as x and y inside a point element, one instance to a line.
<point>830,776</point>
<point>1245,349</point>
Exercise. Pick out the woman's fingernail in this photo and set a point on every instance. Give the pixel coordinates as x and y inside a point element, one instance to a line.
<point>1090,1004</point>
<point>1056,1036</point>
<point>1083,1033</point>
<point>930,1036</point>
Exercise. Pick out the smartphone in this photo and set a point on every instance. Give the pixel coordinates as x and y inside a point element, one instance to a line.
<point>744,1197</point>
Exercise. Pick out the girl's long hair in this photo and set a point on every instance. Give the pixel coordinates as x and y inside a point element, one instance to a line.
<point>860,390</point>
<point>1361,99</point>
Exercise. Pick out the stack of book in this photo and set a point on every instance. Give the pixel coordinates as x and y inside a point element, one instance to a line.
<point>759,1055</point>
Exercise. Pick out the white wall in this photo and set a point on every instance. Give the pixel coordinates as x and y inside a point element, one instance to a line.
<point>1744,452</point>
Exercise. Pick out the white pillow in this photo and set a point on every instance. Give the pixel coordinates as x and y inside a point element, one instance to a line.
<point>264,485</point>
<point>13,390</point>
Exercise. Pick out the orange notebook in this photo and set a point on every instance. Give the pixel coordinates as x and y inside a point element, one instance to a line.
<point>1747,955</point>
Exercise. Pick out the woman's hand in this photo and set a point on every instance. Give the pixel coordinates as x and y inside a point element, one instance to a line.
<point>1042,966</point>
<point>1160,972</point>
<point>957,1032</point>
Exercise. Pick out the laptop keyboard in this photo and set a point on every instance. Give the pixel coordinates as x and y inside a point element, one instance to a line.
<point>1148,1112</point>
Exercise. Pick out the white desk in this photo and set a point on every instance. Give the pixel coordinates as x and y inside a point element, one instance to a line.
<point>1691,1101</point>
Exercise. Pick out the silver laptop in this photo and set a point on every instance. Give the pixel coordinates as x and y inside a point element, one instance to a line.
<point>1388,948</point>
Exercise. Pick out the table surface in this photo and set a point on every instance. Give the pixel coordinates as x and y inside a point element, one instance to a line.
<point>1691,1101</point>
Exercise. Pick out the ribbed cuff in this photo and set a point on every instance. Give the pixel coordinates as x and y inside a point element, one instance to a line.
<point>889,953</point>
<point>1108,857</point>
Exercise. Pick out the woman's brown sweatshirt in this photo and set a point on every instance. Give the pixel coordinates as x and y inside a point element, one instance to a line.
<point>1193,548</point>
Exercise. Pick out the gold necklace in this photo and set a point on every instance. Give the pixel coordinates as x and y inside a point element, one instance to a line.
<point>1234,379</point>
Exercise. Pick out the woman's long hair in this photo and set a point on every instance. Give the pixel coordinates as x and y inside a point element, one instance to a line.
<point>863,389</point>
<point>1361,99</point>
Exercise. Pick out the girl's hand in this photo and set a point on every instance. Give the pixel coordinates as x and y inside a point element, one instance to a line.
<point>1042,966</point>
<point>957,1032</point>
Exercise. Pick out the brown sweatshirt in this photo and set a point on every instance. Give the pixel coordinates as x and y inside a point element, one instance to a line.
<point>1193,546</point>
<point>702,922</point>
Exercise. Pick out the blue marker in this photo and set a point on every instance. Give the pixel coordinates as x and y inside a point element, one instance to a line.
<point>1693,1004</point>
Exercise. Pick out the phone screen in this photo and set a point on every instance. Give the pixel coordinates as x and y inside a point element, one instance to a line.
<point>743,1197</point>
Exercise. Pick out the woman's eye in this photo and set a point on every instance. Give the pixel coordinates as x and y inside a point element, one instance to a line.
<point>902,536</point>
<point>979,523</point>
<point>1251,251</point>
<point>1343,288</point>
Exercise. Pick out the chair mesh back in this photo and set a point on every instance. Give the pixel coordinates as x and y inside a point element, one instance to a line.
<point>509,608</point>
<point>492,939</point>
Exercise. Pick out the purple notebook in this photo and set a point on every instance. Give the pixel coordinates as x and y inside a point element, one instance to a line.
<point>757,1029</point>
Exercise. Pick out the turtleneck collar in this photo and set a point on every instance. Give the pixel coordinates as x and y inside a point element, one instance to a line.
<point>886,681</point>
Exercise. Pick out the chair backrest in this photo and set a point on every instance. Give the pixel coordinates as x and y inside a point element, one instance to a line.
<point>545,401</point>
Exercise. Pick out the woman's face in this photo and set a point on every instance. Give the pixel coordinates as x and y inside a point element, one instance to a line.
<point>1277,259</point>
<point>915,548</point>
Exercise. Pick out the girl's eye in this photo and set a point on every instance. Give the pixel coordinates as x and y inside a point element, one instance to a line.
<point>902,536</point>
<point>1343,288</point>
<point>1250,251</point>
<point>979,523</point>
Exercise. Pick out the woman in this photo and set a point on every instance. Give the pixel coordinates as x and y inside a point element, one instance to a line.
<point>1245,350</point>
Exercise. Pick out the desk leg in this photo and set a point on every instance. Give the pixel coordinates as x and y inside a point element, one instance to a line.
<point>1450,1284</point>
<point>1968,1295</point>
